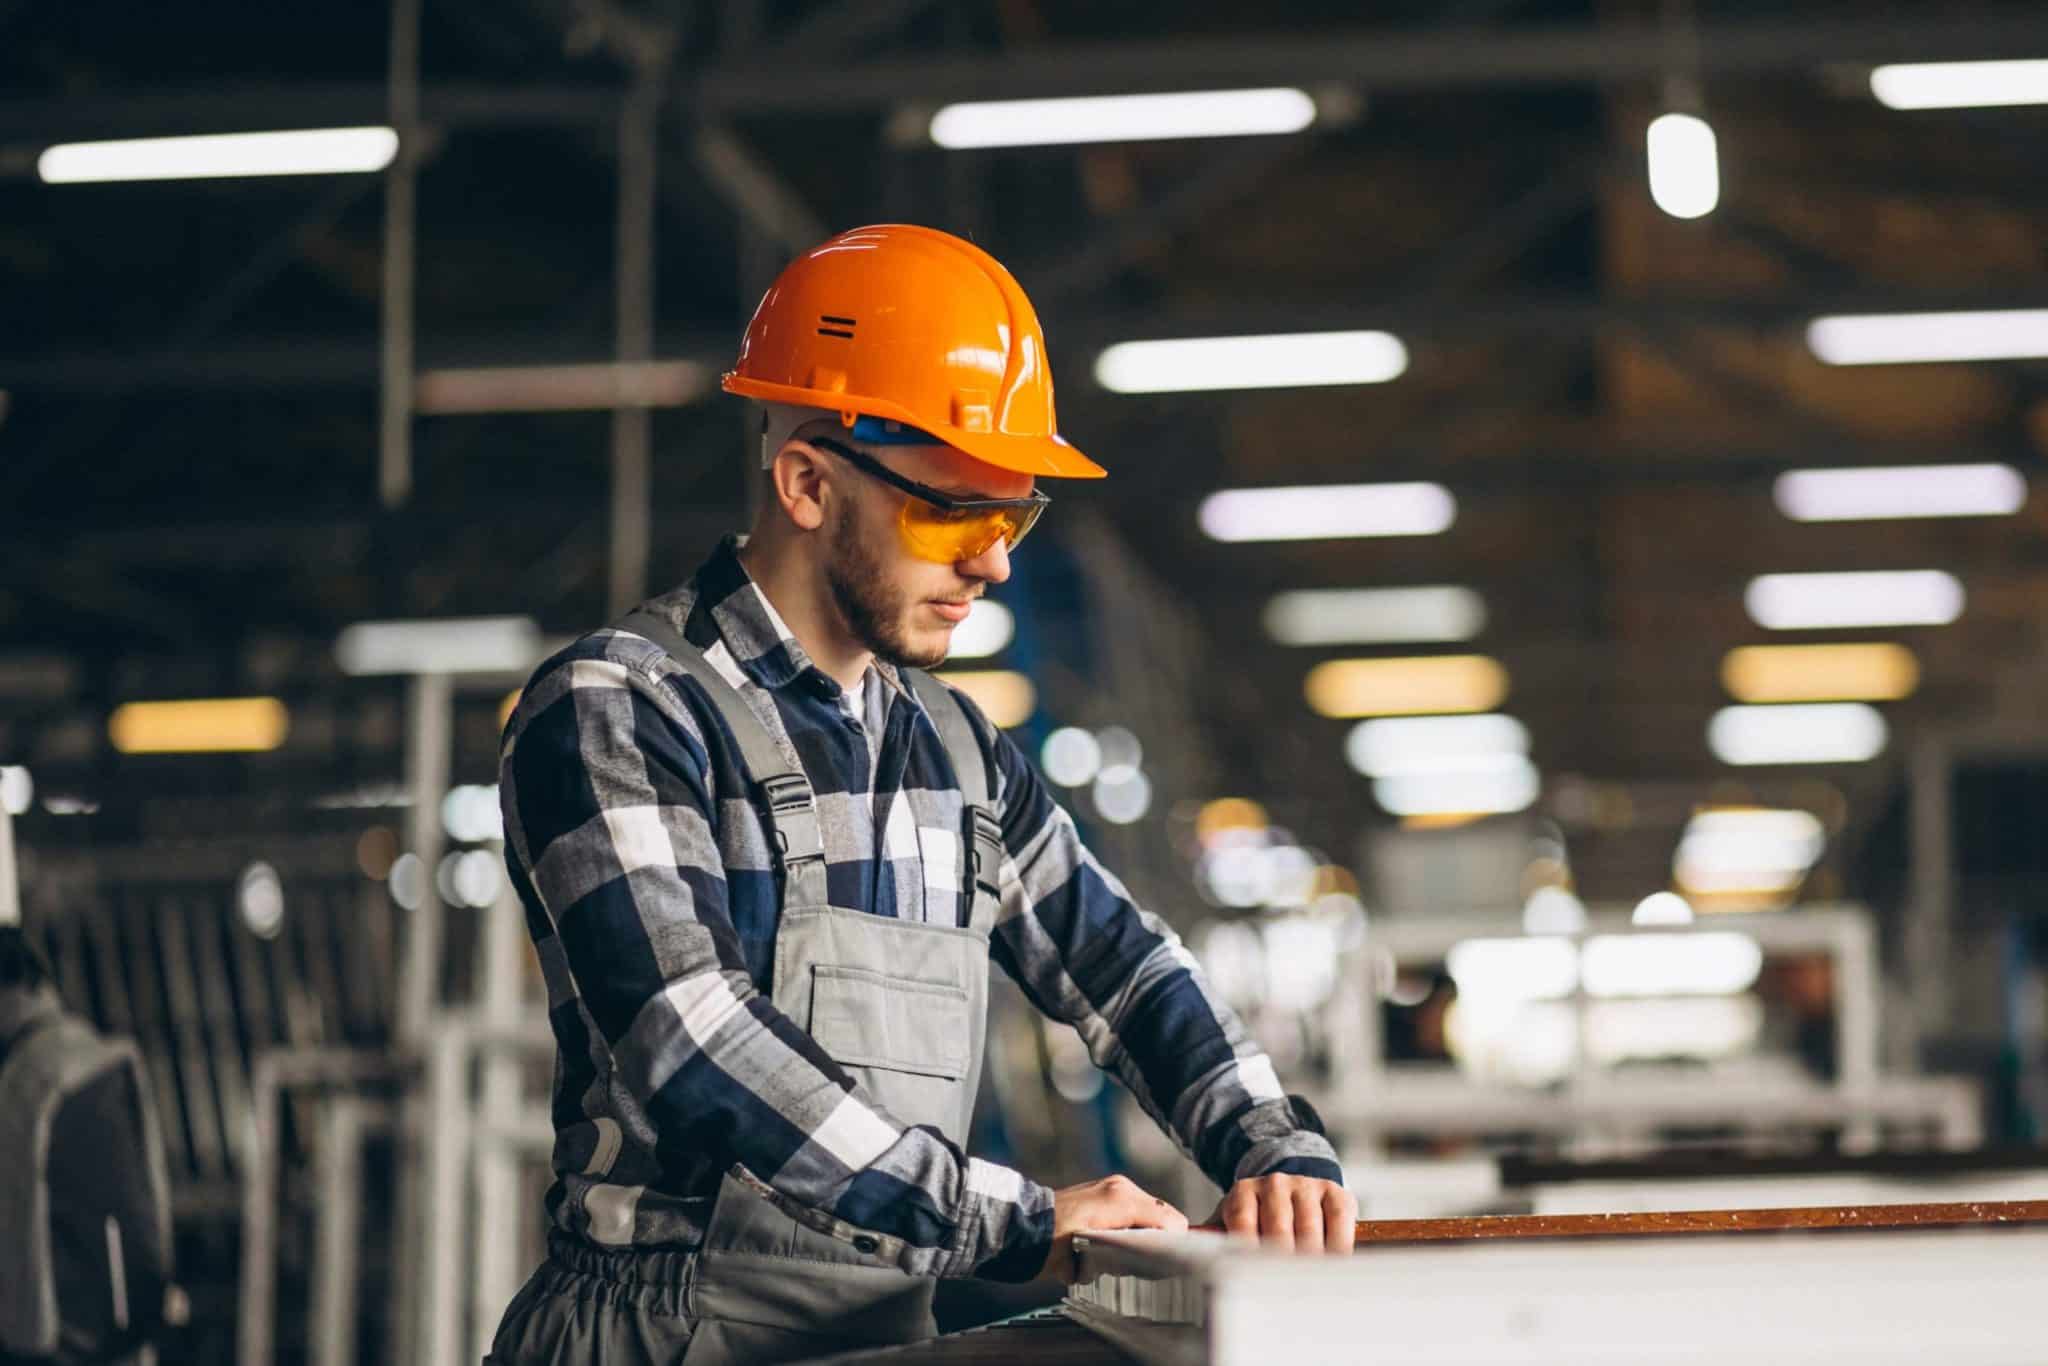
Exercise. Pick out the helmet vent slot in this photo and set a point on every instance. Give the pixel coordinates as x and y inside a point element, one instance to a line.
<point>835,326</point>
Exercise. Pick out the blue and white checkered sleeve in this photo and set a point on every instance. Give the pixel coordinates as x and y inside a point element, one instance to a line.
<point>1085,953</point>
<point>607,802</point>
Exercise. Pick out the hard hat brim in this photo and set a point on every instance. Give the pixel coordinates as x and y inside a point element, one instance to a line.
<point>1049,456</point>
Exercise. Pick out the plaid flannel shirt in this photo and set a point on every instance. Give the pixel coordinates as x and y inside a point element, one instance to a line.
<point>652,901</point>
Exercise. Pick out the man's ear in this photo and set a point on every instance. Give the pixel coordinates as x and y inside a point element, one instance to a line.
<point>798,479</point>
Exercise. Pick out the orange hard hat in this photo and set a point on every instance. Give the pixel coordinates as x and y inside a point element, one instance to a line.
<point>915,326</point>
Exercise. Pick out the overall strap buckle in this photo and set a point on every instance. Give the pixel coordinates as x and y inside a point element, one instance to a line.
<point>792,818</point>
<point>984,867</point>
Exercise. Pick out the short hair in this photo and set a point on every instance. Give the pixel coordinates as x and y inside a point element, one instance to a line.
<point>783,422</point>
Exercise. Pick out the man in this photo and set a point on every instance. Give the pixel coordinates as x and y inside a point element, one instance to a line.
<point>765,860</point>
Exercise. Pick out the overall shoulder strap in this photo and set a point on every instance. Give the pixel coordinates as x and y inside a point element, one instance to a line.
<point>983,831</point>
<point>788,808</point>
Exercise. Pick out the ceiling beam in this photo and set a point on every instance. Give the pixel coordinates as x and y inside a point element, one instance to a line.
<point>322,360</point>
<point>1378,59</point>
<point>318,361</point>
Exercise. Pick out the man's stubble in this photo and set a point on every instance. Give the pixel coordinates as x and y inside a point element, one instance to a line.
<point>873,609</point>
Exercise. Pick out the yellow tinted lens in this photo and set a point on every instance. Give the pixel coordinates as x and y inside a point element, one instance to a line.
<point>948,537</point>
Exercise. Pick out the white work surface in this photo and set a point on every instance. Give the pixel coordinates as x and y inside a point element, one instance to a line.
<point>1971,1296</point>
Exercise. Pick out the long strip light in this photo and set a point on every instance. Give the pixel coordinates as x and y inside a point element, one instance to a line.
<point>1883,492</point>
<point>1369,616</point>
<point>214,725</point>
<point>1960,85</point>
<point>1880,671</point>
<point>1277,360</point>
<point>1327,512</point>
<point>1508,782</point>
<point>1413,744</point>
<point>1926,338</point>
<point>450,645</point>
<point>561,388</point>
<point>1430,767</point>
<point>304,151</point>
<point>1123,118</point>
<point>1820,602</point>
<point>1747,850</point>
<point>1685,167</point>
<point>1814,733</point>
<point>1427,685</point>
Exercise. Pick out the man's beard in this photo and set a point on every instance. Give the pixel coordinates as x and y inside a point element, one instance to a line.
<point>872,609</point>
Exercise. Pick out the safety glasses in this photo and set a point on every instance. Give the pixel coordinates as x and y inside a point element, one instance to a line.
<point>940,527</point>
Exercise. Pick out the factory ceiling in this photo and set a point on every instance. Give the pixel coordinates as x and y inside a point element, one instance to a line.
<point>189,443</point>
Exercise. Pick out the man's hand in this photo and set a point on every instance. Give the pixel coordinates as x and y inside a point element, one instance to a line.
<point>1113,1202</point>
<point>1298,1212</point>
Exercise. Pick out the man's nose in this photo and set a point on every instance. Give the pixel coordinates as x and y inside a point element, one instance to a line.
<point>992,564</point>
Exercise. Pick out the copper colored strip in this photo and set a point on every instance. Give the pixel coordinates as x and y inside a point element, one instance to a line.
<point>1701,1221</point>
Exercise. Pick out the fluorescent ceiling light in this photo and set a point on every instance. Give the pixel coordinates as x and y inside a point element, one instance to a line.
<point>1505,782</point>
<point>1816,602</point>
<point>1858,495</point>
<point>1413,686</point>
<point>561,388</point>
<point>1318,512</point>
<point>1410,744</point>
<point>1685,169</point>
<point>1813,733</point>
<point>1960,85</point>
<point>1880,672</point>
<point>1692,964</point>
<point>70,805</point>
<point>1123,118</point>
<point>450,646</point>
<point>307,151</point>
<point>1280,360</point>
<point>988,629</point>
<point>1368,616</point>
<point>1007,698</point>
<point>214,725</point>
<point>1909,338</point>
<point>1747,850</point>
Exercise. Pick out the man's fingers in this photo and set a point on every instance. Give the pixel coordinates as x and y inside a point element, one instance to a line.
<point>1241,1213</point>
<point>1276,1219</point>
<point>1340,1219</point>
<point>1308,1219</point>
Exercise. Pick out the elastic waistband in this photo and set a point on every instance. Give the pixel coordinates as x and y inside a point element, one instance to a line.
<point>672,1267</point>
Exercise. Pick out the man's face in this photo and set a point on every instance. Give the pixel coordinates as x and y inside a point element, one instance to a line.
<point>901,607</point>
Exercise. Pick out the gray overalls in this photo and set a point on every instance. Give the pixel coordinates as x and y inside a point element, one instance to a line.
<point>901,1006</point>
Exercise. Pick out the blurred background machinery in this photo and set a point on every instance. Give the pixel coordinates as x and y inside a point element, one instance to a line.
<point>1563,639</point>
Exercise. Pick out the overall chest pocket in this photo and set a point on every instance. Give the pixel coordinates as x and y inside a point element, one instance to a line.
<point>907,1042</point>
